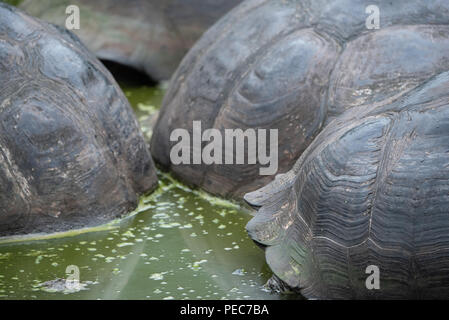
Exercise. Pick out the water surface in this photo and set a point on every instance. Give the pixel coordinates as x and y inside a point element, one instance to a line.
<point>182,244</point>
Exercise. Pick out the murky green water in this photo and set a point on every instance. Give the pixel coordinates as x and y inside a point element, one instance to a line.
<point>12,2</point>
<point>146,102</point>
<point>182,244</point>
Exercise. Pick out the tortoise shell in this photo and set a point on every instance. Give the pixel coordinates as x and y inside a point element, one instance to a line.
<point>294,66</point>
<point>71,152</point>
<point>372,189</point>
<point>149,35</point>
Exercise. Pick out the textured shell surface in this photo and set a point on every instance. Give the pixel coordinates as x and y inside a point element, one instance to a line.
<point>372,189</point>
<point>71,152</point>
<point>295,66</point>
<point>149,35</point>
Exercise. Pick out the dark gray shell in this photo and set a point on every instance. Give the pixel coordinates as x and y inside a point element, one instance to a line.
<point>372,189</point>
<point>149,35</point>
<point>373,186</point>
<point>71,153</point>
<point>294,66</point>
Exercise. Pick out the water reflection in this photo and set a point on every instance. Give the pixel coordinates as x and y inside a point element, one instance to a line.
<point>183,244</point>
<point>180,246</point>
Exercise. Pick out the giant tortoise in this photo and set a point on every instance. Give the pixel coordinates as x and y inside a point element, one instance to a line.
<point>370,192</point>
<point>294,66</point>
<point>370,195</point>
<point>71,153</point>
<point>149,35</point>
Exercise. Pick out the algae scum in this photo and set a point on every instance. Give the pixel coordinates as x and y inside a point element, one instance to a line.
<point>182,244</point>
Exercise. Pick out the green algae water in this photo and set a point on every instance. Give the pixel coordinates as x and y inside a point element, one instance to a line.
<point>146,102</point>
<point>12,2</point>
<point>181,244</point>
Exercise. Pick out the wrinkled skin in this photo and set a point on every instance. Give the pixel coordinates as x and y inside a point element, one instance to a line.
<point>294,66</point>
<point>71,153</point>
<point>373,187</point>
<point>148,35</point>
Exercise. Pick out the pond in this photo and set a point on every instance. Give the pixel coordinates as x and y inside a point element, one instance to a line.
<point>178,244</point>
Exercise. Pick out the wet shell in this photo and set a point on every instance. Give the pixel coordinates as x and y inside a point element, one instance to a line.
<point>371,190</point>
<point>71,153</point>
<point>294,66</point>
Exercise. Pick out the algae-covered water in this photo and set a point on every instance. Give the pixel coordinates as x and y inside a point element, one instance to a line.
<point>12,2</point>
<point>181,244</point>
